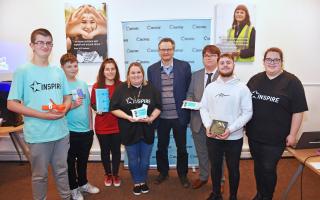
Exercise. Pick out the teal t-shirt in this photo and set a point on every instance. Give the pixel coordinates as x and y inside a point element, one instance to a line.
<point>35,86</point>
<point>79,118</point>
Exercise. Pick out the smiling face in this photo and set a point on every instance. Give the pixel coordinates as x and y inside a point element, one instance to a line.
<point>210,61</point>
<point>240,15</point>
<point>273,63</point>
<point>166,51</point>
<point>135,75</point>
<point>225,66</point>
<point>70,69</point>
<point>88,22</point>
<point>110,71</point>
<point>42,46</point>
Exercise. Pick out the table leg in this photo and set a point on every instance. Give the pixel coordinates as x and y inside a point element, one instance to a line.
<point>17,142</point>
<point>292,181</point>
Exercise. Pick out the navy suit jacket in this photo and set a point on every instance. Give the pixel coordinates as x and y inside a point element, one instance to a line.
<point>181,81</point>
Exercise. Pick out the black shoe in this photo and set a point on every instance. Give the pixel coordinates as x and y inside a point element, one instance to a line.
<point>214,196</point>
<point>136,190</point>
<point>257,197</point>
<point>144,188</point>
<point>184,181</point>
<point>233,197</point>
<point>160,179</point>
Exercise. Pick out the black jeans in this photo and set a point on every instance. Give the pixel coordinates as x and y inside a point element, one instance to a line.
<point>231,149</point>
<point>78,154</point>
<point>266,158</point>
<point>110,142</point>
<point>179,134</point>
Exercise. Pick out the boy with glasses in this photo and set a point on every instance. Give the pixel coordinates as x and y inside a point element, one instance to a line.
<point>40,92</point>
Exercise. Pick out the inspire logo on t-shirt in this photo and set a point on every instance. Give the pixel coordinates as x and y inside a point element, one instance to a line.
<point>36,86</point>
<point>257,95</point>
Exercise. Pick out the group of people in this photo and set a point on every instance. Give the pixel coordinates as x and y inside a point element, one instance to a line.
<point>65,142</point>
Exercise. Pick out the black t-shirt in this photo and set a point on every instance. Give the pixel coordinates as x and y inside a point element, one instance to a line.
<point>126,99</point>
<point>274,102</point>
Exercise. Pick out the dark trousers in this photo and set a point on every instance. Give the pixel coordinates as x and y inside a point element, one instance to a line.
<point>78,154</point>
<point>179,134</point>
<point>266,158</point>
<point>231,149</point>
<point>110,143</point>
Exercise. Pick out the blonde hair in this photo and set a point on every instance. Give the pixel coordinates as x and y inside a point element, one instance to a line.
<point>136,64</point>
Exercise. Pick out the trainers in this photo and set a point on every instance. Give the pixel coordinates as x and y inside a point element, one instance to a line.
<point>108,180</point>
<point>160,179</point>
<point>144,188</point>
<point>184,181</point>
<point>136,190</point>
<point>89,189</point>
<point>76,194</point>
<point>116,181</point>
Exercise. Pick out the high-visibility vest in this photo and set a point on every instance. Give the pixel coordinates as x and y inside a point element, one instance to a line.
<point>242,42</point>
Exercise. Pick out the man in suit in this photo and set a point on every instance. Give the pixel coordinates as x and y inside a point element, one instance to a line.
<point>200,79</point>
<point>172,78</point>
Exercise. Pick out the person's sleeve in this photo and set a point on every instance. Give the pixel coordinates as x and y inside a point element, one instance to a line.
<point>190,93</point>
<point>188,76</point>
<point>116,99</point>
<point>16,88</point>
<point>204,109</point>
<point>299,102</point>
<point>246,110</point>
<point>249,52</point>
<point>149,74</point>
<point>65,84</point>
<point>86,90</point>
<point>157,98</point>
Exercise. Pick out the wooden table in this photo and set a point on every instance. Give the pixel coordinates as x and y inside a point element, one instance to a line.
<point>14,132</point>
<point>305,158</point>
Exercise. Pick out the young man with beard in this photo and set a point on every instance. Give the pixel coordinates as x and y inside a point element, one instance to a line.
<point>226,101</point>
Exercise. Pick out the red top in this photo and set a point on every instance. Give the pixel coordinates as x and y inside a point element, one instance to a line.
<point>105,123</point>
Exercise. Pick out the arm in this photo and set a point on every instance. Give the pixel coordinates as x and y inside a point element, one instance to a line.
<point>190,93</point>
<point>119,113</point>
<point>18,107</point>
<point>295,126</point>
<point>204,113</point>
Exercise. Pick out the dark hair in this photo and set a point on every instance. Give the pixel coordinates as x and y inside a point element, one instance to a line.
<point>211,49</point>
<point>274,49</point>
<point>40,31</point>
<point>137,64</point>
<point>68,57</point>
<point>167,40</point>
<point>246,19</point>
<point>226,55</point>
<point>101,79</point>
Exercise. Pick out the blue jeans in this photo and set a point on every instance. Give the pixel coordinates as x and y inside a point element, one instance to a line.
<point>138,160</point>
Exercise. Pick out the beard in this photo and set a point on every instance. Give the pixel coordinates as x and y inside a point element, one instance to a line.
<point>228,74</point>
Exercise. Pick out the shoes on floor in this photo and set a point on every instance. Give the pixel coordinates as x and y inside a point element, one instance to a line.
<point>108,180</point>
<point>137,190</point>
<point>116,181</point>
<point>198,183</point>
<point>144,188</point>
<point>184,181</point>
<point>89,188</point>
<point>76,194</point>
<point>160,178</point>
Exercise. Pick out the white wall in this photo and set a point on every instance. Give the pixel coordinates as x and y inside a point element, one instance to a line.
<point>289,24</point>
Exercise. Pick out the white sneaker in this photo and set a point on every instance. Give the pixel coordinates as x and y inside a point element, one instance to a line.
<point>76,194</point>
<point>89,188</point>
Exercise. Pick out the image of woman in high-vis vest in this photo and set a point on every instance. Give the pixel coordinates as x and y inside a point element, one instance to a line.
<point>243,34</point>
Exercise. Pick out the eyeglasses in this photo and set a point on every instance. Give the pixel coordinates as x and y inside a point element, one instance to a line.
<point>270,60</point>
<point>43,43</point>
<point>166,50</point>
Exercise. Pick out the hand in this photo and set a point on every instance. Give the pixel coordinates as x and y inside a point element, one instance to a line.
<point>101,23</point>
<point>53,115</point>
<point>146,120</point>
<point>73,25</point>
<point>236,53</point>
<point>208,133</point>
<point>99,113</point>
<point>131,119</point>
<point>224,135</point>
<point>290,140</point>
<point>77,103</point>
